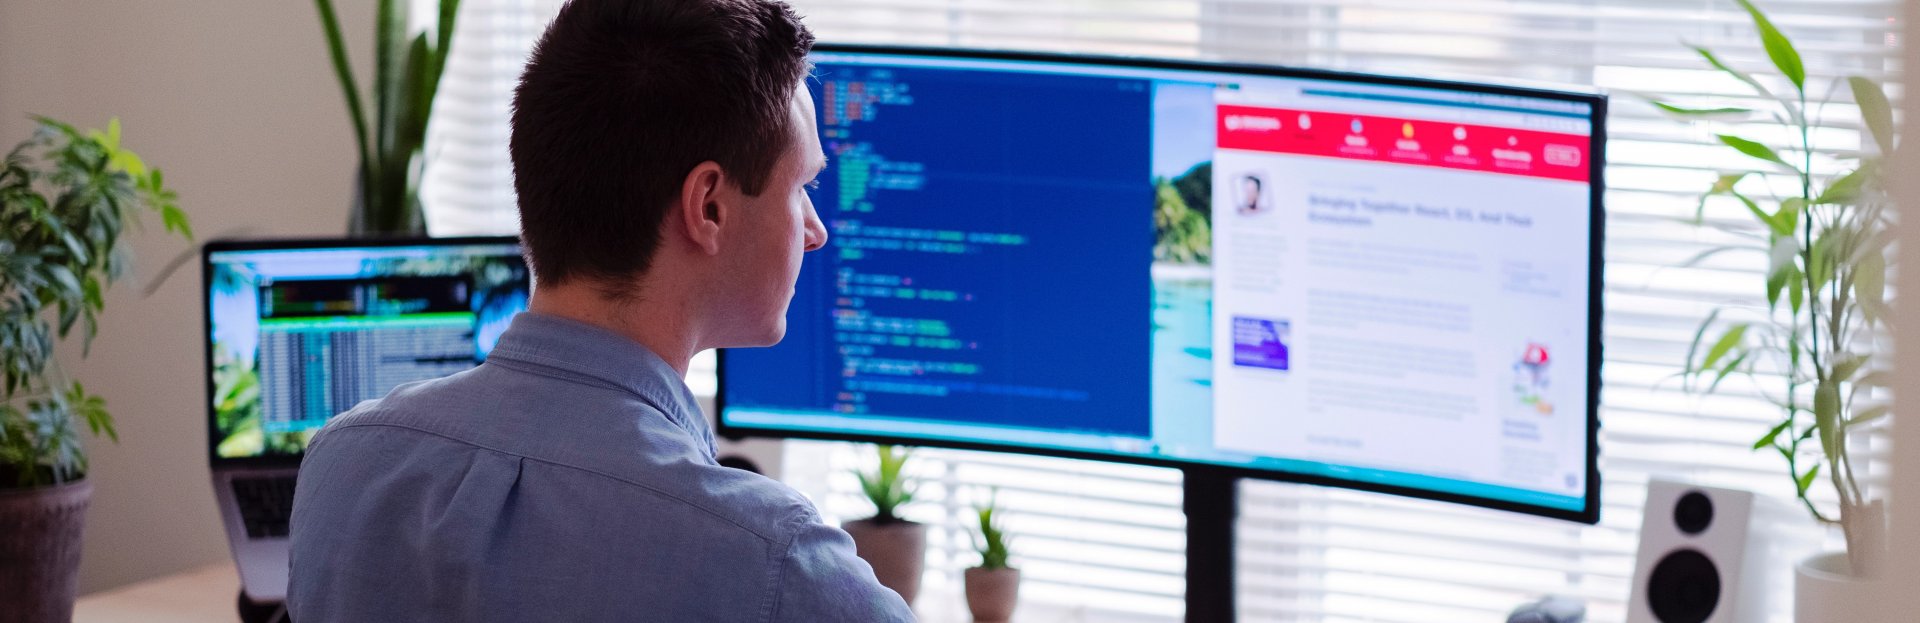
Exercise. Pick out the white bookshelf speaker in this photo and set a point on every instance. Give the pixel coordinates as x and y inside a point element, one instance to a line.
<point>1699,559</point>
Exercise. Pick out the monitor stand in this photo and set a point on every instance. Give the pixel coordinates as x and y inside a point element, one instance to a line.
<point>1211,502</point>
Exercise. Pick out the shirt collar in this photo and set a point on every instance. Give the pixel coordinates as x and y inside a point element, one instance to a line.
<point>583,349</point>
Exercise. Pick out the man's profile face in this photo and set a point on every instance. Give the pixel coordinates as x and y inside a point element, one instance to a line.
<point>1250,193</point>
<point>777,228</point>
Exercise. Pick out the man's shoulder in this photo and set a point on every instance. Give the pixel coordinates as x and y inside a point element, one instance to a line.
<point>616,453</point>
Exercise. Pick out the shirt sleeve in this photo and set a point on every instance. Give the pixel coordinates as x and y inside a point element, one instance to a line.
<point>822,580</point>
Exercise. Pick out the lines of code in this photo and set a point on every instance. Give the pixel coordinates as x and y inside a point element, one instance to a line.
<point>327,344</point>
<point>990,238</point>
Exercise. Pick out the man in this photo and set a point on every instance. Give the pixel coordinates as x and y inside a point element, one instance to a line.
<point>662,151</point>
<point>1250,199</point>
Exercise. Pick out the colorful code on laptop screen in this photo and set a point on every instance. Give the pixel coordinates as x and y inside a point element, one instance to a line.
<point>301,334</point>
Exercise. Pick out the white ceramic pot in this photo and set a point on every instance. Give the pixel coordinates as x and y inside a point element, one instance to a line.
<point>991,593</point>
<point>897,551</point>
<point>1826,591</point>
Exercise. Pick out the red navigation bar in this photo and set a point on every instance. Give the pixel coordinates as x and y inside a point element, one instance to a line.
<point>1468,147</point>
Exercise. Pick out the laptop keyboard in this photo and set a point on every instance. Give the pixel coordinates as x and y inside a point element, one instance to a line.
<point>266,503</point>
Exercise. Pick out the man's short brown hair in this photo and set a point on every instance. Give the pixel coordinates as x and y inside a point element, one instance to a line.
<point>621,99</point>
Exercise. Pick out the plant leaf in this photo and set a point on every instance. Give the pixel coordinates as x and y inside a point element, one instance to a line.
<point>1797,291</point>
<point>1777,225</point>
<point>1779,48</point>
<point>1820,261</point>
<point>1870,281</point>
<point>1826,416</point>
<point>1772,435</point>
<point>1846,190</point>
<point>1805,481</point>
<point>1728,369</point>
<point>1727,342</point>
<point>1874,110</point>
<point>1787,218</point>
<point>1845,366</point>
<point>343,72</point>
<point>1742,76</point>
<point>1754,149</point>
<point>1868,415</point>
<point>176,220</point>
<point>1701,113</point>
<point>1699,334</point>
<point>1777,282</point>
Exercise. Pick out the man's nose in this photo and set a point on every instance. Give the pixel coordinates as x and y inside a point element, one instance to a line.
<point>816,232</point>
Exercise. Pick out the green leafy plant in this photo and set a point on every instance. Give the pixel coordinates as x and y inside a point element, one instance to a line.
<point>1823,329</point>
<point>66,197</point>
<point>887,487</point>
<point>991,540</point>
<point>406,74</point>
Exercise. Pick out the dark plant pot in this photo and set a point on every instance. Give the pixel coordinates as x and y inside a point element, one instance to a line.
<point>991,593</point>
<point>897,551</point>
<point>40,551</point>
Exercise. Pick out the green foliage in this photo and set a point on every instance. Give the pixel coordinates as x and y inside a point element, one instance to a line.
<point>1182,233</point>
<point>66,197</point>
<point>888,487</point>
<point>991,540</point>
<point>406,75</point>
<point>1828,246</point>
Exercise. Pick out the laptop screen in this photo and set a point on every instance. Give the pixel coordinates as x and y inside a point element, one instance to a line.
<point>301,331</point>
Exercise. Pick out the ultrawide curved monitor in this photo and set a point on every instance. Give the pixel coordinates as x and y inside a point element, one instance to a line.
<point>1372,282</point>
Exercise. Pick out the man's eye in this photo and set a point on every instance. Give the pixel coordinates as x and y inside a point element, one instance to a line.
<point>814,185</point>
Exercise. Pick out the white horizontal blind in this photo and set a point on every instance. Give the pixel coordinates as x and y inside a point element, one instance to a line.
<point>1100,539</point>
<point>468,185</point>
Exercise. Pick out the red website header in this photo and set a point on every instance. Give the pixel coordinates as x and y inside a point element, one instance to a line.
<point>1462,146</point>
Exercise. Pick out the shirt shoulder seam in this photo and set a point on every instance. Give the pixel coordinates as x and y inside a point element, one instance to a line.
<point>552,368</point>
<point>545,366</point>
<point>555,463</point>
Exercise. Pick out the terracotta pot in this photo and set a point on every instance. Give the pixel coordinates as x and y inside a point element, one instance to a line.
<point>1826,591</point>
<point>40,551</point>
<point>991,593</point>
<point>897,552</point>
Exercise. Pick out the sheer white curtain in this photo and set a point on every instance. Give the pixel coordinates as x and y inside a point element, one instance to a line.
<point>1102,540</point>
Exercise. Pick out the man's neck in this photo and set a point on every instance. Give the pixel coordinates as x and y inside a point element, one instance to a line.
<point>657,325</point>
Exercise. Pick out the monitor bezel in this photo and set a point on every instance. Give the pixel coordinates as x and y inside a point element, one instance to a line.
<point>287,244</point>
<point>1597,100</point>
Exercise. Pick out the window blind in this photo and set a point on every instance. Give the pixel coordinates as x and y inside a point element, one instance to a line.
<point>1104,542</point>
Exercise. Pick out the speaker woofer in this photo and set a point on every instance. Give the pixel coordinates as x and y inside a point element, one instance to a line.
<point>1684,587</point>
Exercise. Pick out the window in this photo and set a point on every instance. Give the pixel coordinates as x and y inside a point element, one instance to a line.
<point>1105,540</point>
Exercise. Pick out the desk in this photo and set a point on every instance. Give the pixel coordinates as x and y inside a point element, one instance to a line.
<point>206,595</point>
<point>200,595</point>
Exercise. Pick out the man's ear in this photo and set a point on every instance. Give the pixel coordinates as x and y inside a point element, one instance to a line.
<point>700,208</point>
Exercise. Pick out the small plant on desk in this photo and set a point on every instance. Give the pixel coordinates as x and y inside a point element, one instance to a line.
<point>895,547</point>
<point>992,587</point>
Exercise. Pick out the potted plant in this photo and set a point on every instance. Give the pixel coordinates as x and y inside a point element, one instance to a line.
<point>65,199</point>
<point>895,547</point>
<point>406,75</point>
<point>993,587</point>
<point>1823,333</point>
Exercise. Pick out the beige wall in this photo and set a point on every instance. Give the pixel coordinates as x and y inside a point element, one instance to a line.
<point>236,101</point>
<point>1904,603</point>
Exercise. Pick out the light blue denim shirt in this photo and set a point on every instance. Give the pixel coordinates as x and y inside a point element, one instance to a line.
<point>569,478</point>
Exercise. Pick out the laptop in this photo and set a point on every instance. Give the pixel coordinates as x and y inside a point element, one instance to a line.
<point>298,331</point>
